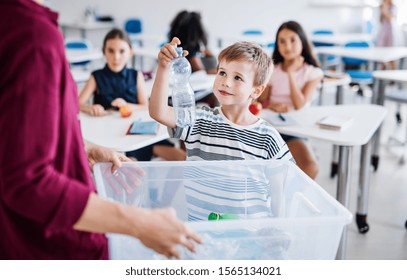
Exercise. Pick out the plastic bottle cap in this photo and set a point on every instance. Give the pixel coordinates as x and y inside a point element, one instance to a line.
<point>179,51</point>
<point>216,217</point>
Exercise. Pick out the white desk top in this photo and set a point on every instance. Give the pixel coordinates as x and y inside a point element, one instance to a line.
<point>259,39</point>
<point>366,120</point>
<point>78,55</point>
<point>377,54</point>
<point>391,75</point>
<point>199,81</point>
<point>110,131</point>
<point>334,82</point>
<point>154,39</point>
<point>341,38</point>
<point>88,25</point>
<point>151,52</point>
<point>80,75</point>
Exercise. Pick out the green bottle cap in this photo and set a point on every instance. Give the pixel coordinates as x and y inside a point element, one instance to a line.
<point>216,217</point>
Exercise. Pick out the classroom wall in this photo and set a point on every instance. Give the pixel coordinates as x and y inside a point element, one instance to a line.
<point>222,16</point>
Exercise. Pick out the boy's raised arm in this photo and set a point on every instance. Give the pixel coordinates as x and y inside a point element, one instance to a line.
<point>158,105</point>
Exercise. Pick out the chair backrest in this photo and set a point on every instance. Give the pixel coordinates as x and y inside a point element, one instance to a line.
<point>271,45</point>
<point>252,32</point>
<point>133,26</point>
<point>322,32</point>
<point>354,61</point>
<point>78,43</point>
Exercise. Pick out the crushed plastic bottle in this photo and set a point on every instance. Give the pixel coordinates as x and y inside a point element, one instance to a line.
<point>183,97</point>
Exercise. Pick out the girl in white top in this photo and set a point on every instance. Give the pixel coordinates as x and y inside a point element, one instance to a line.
<point>292,84</point>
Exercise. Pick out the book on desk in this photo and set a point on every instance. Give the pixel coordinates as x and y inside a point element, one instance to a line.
<point>335,122</point>
<point>143,127</point>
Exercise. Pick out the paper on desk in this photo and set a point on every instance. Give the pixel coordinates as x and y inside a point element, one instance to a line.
<point>274,119</point>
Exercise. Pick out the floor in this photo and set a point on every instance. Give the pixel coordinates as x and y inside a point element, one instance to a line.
<point>387,237</point>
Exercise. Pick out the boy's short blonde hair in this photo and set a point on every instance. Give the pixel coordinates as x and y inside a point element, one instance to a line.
<point>251,52</point>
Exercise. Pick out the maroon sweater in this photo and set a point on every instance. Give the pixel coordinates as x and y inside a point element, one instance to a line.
<point>44,174</point>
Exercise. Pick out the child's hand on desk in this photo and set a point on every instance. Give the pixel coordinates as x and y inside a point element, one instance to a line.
<point>119,102</point>
<point>279,107</point>
<point>96,110</point>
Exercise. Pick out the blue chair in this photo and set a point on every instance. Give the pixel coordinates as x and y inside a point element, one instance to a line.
<point>252,32</point>
<point>80,44</point>
<point>322,32</point>
<point>360,77</point>
<point>331,60</point>
<point>134,26</point>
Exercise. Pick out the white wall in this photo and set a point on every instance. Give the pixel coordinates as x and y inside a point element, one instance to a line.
<point>220,16</point>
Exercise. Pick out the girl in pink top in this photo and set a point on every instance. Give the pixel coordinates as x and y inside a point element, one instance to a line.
<point>292,84</point>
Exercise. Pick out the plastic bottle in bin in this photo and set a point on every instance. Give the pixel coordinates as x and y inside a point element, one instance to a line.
<point>183,98</point>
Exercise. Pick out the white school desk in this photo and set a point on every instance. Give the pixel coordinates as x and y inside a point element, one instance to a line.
<point>339,83</point>
<point>148,39</point>
<point>80,55</point>
<point>380,78</point>
<point>341,38</point>
<point>372,54</point>
<point>84,26</point>
<point>80,75</point>
<point>201,83</point>
<point>230,39</point>
<point>141,52</point>
<point>110,131</point>
<point>366,120</point>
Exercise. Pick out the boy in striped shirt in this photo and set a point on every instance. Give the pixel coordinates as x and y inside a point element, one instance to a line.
<point>228,132</point>
<point>231,131</point>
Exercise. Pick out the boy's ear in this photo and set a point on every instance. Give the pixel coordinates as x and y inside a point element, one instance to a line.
<point>257,91</point>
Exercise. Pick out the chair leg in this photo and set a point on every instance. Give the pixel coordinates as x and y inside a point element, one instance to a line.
<point>398,114</point>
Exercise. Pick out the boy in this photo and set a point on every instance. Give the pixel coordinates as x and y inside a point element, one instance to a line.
<point>228,132</point>
<point>231,131</point>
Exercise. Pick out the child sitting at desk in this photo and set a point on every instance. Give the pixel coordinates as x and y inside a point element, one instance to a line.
<point>292,84</point>
<point>116,85</point>
<point>228,132</point>
<point>188,27</point>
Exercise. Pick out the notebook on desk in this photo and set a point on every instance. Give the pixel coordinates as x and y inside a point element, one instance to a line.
<point>335,122</point>
<point>143,127</point>
<point>277,119</point>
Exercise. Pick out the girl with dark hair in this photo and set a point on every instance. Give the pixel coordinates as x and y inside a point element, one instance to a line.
<point>188,27</point>
<point>292,84</point>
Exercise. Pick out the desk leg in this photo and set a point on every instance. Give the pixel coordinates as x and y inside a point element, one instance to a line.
<point>339,96</point>
<point>83,33</point>
<point>339,99</point>
<point>363,189</point>
<point>342,193</point>
<point>334,163</point>
<point>378,98</point>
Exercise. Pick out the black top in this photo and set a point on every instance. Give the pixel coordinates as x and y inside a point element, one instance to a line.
<point>111,85</point>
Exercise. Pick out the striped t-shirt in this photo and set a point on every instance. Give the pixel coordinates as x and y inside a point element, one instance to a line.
<point>214,137</point>
<point>244,192</point>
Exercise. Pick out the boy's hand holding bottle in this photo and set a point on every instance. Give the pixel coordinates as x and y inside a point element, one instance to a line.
<point>168,52</point>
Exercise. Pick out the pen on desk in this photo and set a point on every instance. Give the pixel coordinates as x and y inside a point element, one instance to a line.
<point>281,117</point>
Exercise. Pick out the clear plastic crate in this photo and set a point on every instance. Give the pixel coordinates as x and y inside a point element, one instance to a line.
<point>282,213</point>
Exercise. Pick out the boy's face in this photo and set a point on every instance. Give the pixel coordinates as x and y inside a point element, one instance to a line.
<point>117,53</point>
<point>234,83</point>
